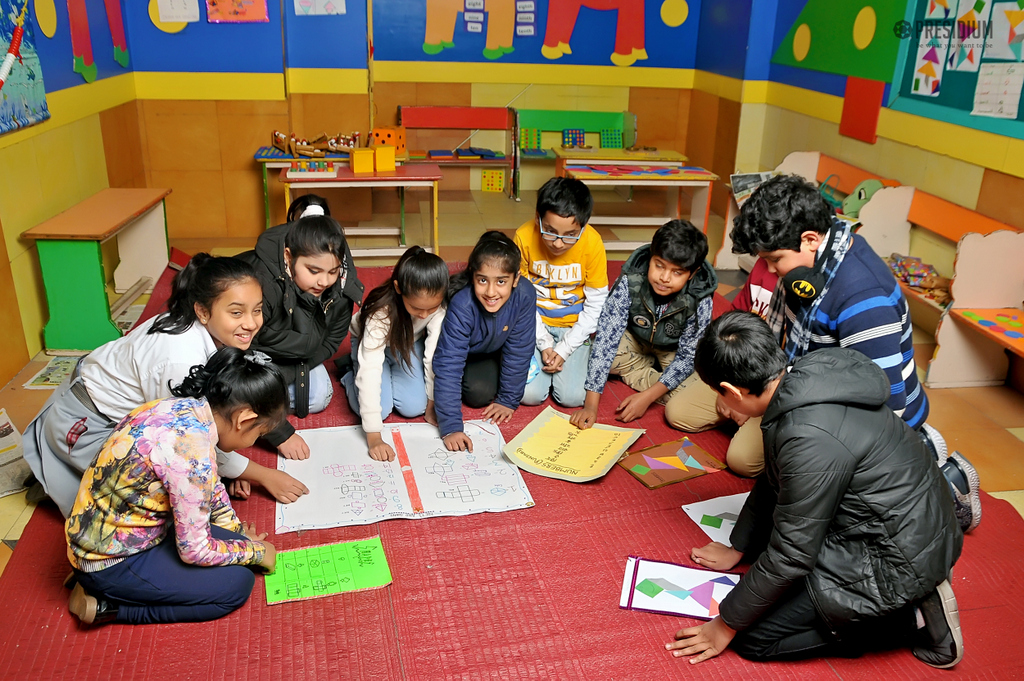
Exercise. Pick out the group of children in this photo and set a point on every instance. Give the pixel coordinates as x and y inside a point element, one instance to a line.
<point>133,447</point>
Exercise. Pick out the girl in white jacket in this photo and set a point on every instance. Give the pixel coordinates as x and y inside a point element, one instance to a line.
<point>393,341</point>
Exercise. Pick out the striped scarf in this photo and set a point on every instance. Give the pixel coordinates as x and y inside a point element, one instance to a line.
<point>797,339</point>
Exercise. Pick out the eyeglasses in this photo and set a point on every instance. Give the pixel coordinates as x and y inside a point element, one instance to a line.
<point>554,236</point>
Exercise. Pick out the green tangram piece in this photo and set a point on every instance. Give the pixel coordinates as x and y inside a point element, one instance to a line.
<point>649,588</point>
<point>328,570</point>
<point>979,6</point>
<point>640,469</point>
<point>711,521</point>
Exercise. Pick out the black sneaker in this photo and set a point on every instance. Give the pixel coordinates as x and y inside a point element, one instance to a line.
<point>966,488</point>
<point>942,642</point>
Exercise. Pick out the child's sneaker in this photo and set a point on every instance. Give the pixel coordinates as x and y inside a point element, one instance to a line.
<point>942,641</point>
<point>966,488</point>
<point>936,444</point>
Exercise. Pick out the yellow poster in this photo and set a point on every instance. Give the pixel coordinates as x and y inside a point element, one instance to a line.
<point>553,447</point>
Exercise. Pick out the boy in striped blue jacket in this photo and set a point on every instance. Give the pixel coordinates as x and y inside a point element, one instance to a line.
<point>835,291</point>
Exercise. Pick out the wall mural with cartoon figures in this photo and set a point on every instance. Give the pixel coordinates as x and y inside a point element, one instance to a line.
<point>591,32</point>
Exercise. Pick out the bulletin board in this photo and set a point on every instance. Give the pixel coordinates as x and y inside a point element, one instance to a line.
<point>939,49</point>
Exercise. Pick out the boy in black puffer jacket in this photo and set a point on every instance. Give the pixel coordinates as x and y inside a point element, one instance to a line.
<point>851,528</point>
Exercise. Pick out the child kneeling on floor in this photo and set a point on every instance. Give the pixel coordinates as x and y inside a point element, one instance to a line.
<point>654,316</point>
<point>152,517</point>
<point>851,528</point>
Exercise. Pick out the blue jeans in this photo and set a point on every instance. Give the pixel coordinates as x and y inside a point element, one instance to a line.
<point>321,390</point>
<point>402,388</point>
<point>565,386</point>
<point>156,586</point>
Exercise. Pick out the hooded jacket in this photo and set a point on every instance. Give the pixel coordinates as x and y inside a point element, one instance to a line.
<point>300,331</point>
<point>663,330</point>
<point>851,500</point>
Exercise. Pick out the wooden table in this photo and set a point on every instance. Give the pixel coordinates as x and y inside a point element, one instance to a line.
<point>272,157</point>
<point>420,175</point>
<point>1005,326</point>
<point>645,175</point>
<point>71,261</point>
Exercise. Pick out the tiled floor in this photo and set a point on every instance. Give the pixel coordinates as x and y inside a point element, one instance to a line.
<point>986,424</point>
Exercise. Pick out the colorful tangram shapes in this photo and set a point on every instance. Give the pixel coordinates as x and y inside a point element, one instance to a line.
<point>703,594</point>
<point>682,461</point>
<point>938,9</point>
<point>717,520</point>
<point>929,69</point>
<point>1016,36</point>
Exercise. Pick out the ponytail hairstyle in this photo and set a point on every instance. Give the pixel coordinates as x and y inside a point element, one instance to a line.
<point>418,272</point>
<point>316,235</point>
<point>493,248</point>
<point>233,379</point>
<point>202,281</point>
<point>299,206</point>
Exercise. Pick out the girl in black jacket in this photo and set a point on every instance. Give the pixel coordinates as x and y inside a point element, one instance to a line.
<point>309,289</point>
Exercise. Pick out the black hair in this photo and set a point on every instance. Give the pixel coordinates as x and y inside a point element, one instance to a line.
<point>232,379</point>
<point>567,198</point>
<point>777,213</point>
<point>739,348</point>
<point>305,201</point>
<point>493,248</point>
<point>682,244</point>
<point>417,272</point>
<point>316,235</point>
<point>202,281</point>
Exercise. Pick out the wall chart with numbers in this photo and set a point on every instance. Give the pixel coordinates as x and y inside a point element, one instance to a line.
<point>347,487</point>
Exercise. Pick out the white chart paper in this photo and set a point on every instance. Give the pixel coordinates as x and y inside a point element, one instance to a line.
<point>716,517</point>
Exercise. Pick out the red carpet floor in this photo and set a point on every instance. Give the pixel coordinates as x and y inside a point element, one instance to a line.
<point>519,595</point>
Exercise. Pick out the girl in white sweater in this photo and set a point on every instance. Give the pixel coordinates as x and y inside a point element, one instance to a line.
<point>393,341</point>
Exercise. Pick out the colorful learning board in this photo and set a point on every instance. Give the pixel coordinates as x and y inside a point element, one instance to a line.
<point>327,570</point>
<point>716,517</point>
<point>673,589</point>
<point>670,462</point>
<point>347,487</point>
<point>1005,326</point>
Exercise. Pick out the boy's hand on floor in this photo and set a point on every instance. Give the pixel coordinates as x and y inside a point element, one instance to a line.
<point>716,556</point>
<point>294,448</point>
<point>632,408</point>
<point>704,641</point>
<point>552,361</point>
<point>430,416</point>
<point>584,418</point>
<point>283,487</point>
<point>457,442</point>
<point>249,530</point>
<point>498,414</point>
<point>239,489</point>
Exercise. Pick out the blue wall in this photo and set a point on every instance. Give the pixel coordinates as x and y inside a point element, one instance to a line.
<point>722,43</point>
<point>55,55</point>
<point>326,42</point>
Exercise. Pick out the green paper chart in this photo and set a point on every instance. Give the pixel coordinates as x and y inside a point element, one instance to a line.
<point>327,570</point>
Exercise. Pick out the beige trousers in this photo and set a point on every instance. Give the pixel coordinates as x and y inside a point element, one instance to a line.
<point>635,363</point>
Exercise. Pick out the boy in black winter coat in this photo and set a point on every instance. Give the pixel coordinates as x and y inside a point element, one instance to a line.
<point>851,528</point>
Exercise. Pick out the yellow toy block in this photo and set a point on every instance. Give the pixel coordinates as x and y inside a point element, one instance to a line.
<point>492,180</point>
<point>393,135</point>
<point>361,160</point>
<point>384,158</point>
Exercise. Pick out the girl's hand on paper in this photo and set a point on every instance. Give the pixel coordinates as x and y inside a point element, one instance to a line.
<point>457,442</point>
<point>497,414</point>
<point>269,561</point>
<point>716,556</point>
<point>379,450</point>
<point>704,641</point>
<point>294,448</point>
<point>584,418</point>
<point>282,486</point>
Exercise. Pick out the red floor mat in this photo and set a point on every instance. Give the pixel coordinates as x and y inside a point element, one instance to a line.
<point>516,595</point>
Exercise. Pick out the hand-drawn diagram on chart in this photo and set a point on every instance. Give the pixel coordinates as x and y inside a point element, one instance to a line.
<point>672,589</point>
<point>327,570</point>
<point>347,487</point>
<point>716,517</point>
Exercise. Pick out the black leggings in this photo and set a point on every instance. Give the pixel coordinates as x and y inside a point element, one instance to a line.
<point>792,630</point>
<point>480,380</point>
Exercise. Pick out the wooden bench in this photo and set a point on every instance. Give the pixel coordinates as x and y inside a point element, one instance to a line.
<point>474,118</point>
<point>71,261</point>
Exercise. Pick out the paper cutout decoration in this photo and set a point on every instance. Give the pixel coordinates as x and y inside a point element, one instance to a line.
<point>997,93</point>
<point>670,462</point>
<point>347,487</point>
<point>81,41</point>
<point>672,589</point>
<point>308,8</point>
<point>236,11</point>
<point>1007,33</point>
<point>23,99</point>
<point>716,517</point>
<point>931,61</point>
<point>861,108</point>
<point>974,21</point>
<point>327,570</point>
<point>553,447</point>
<point>937,9</point>
<point>116,24</point>
<point>173,11</point>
